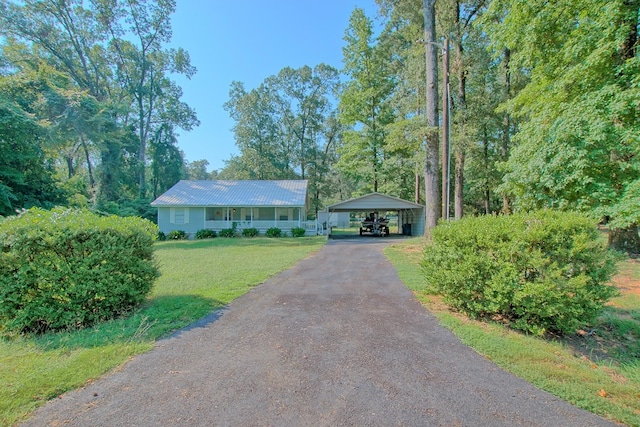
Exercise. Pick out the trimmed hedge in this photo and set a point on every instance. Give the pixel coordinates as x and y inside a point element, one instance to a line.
<point>66,269</point>
<point>538,272</point>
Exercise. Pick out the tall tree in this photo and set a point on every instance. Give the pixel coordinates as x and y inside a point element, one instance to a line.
<point>143,63</point>
<point>577,146</point>
<point>197,170</point>
<point>115,50</point>
<point>432,194</point>
<point>406,135</point>
<point>302,97</point>
<point>259,135</point>
<point>26,175</point>
<point>365,102</point>
<point>166,161</point>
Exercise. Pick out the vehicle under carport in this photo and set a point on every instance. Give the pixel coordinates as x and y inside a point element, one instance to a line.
<point>410,215</point>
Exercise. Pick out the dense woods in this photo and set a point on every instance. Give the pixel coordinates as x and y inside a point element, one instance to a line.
<point>543,109</point>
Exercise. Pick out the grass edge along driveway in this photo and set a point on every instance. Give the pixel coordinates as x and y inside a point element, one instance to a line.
<point>605,387</point>
<point>197,277</point>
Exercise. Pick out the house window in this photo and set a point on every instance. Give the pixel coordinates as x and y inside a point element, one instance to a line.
<point>214,214</point>
<point>265,214</point>
<point>283,214</point>
<point>179,216</point>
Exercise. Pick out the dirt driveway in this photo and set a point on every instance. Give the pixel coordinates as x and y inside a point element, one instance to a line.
<point>336,340</point>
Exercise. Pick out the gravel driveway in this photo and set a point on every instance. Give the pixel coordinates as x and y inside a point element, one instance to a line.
<point>336,340</point>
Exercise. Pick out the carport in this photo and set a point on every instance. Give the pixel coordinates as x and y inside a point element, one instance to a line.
<point>410,214</point>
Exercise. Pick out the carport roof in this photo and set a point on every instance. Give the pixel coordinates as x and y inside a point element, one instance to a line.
<point>373,202</point>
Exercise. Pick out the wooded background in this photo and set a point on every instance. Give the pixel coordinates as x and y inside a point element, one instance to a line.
<point>544,100</point>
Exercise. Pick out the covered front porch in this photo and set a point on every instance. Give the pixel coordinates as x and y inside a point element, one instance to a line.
<point>260,218</point>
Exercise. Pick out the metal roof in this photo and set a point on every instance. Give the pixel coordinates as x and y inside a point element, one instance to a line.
<point>372,202</point>
<point>235,193</point>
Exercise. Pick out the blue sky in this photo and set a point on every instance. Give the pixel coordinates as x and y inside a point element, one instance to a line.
<point>248,41</point>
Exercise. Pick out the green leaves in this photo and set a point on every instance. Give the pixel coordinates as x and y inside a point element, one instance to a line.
<point>365,106</point>
<point>67,269</point>
<point>544,271</point>
<point>578,144</point>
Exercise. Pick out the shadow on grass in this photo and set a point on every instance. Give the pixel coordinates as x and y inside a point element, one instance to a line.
<point>615,338</point>
<point>156,318</point>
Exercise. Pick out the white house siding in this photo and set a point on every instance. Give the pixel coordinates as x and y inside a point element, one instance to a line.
<point>169,221</point>
<point>194,205</point>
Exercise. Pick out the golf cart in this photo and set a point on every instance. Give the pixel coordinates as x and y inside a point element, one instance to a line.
<point>375,225</point>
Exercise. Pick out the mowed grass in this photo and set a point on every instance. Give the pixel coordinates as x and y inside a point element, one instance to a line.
<point>597,370</point>
<point>197,277</point>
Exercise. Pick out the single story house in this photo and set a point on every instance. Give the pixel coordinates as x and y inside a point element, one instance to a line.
<point>219,204</point>
<point>410,215</point>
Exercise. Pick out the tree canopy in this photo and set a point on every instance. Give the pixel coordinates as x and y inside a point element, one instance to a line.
<point>543,99</point>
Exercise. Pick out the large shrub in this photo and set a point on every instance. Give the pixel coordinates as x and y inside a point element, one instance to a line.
<point>543,271</point>
<point>65,268</point>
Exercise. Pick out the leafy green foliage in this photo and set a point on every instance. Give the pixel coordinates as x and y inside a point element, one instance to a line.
<point>205,234</point>
<point>543,271</point>
<point>227,232</point>
<point>65,269</point>
<point>577,144</point>
<point>298,232</point>
<point>364,102</point>
<point>250,232</point>
<point>25,175</point>
<point>273,232</point>
<point>109,97</point>
<point>177,235</point>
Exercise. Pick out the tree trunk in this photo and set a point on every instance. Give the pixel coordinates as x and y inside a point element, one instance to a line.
<point>432,194</point>
<point>460,152</point>
<point>446,144</point>
<point>506,130</point>
<point>92,182</point>
<point>70,168</point>
<point>625,239</point>
<point>458,199</point>
<point>487,192</point>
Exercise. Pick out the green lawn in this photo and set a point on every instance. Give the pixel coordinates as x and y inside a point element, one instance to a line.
<point>598,371</point>
<point>197,277</point>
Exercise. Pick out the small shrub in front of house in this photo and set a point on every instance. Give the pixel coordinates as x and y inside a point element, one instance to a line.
<point>250,232</point>
<point>227,232</point>
<point>205,234</point>
<point>177,235</point>
<point>161,237</point>
<point>273,232</point>
<point>67,269</point>
<point>539,272</point>
<point>297,232</point>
